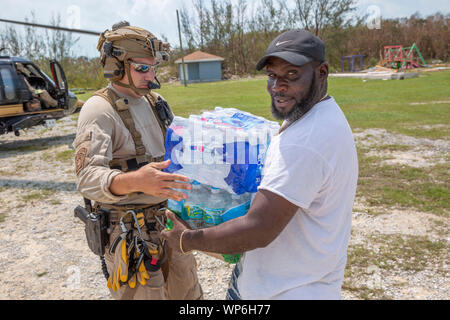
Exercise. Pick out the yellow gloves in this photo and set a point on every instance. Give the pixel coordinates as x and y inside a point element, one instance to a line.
<point>133,253</point>
<point>120,274</point>
<point>141,274</point>
<point>121,264</point>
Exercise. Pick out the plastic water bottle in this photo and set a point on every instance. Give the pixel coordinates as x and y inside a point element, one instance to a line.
<point>214,207</point>
<point>176,207</point>
<point>235,200</point>
<point>238,207</point>
<point>194,205</point>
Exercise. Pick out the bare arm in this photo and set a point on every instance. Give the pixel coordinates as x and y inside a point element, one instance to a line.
<point>151,180</point>
<point>267,217</point>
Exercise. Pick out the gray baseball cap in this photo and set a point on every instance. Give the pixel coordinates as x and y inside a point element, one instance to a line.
<point>297,47</point>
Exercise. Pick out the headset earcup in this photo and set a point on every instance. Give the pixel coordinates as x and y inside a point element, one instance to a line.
<point>113,69</point>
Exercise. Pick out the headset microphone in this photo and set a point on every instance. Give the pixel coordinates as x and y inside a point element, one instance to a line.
<point>153,86</point>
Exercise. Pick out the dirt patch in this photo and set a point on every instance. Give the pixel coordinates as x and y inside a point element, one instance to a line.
<point>430,102</point>
<point>420,152</point>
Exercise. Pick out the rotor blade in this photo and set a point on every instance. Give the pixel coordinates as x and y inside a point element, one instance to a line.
<point>94,33</point>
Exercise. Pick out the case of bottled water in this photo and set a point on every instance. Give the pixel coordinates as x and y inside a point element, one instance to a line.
<point>224,148</point>
<point>222,152</point>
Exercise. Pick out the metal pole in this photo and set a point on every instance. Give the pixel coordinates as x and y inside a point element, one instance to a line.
<point>182,53</point>
<point>94,33</point>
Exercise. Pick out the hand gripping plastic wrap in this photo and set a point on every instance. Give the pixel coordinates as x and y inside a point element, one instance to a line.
<point>222,152</point>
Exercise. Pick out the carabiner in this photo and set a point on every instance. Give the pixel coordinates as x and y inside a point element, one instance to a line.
<point>136,222</point>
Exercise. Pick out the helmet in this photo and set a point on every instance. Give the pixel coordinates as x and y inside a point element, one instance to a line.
<point>124,42</point>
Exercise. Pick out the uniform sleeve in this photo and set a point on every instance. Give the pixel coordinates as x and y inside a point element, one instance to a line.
<point>295,173</point>
<point>93,152</point>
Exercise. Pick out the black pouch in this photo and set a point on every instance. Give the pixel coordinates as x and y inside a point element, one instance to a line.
<point>164,112</point>
<point>96,225</point>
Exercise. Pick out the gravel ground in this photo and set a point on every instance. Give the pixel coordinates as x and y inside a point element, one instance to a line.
<point>44,254</point>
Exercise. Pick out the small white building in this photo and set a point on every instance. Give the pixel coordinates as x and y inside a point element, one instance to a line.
<point>201,67</point>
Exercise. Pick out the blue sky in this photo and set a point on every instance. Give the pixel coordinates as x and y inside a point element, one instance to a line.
<point>159,16</point>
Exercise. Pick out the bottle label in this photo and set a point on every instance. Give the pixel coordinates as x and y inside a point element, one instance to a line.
<point>194,212</point>
<point>236,212</point>
<point>175,206</point>
<point>213,215</point>
<point>178,208</point>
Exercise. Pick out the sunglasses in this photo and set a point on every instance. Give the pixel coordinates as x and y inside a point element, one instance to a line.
<point>143,68</point>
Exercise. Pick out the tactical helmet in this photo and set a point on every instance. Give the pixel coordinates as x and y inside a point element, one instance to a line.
<point>124,42</point>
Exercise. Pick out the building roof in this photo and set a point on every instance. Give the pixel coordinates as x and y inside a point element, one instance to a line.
<point>199,56</point>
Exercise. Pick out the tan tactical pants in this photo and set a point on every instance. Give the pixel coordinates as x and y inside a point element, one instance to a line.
<point>176,280</point>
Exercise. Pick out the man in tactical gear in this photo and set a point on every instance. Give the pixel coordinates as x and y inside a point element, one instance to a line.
<point>119,157</point>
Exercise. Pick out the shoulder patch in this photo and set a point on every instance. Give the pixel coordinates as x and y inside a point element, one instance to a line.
<point>80,156</point>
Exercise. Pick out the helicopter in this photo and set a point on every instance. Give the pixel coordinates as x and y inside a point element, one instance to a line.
<point>29,97</point>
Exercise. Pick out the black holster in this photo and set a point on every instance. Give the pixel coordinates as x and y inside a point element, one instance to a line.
<point>164,112</point>
<point>96,225</point>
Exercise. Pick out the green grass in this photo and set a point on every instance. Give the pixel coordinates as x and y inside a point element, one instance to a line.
<point>38,195</point>
<point>65,156</point>
<point>370,104</point>
<point>249,95</point>
<point>386,104</point>
<point>426,189</point>
<point>393,147</point>
<point>399,253</point>
<point>85,96</point>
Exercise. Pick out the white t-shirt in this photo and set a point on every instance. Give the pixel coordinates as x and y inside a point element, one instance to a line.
<point>312,164</point>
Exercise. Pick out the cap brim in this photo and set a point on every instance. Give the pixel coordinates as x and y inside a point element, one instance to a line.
<point>291,57</point>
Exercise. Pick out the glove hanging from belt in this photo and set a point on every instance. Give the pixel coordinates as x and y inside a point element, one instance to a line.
<point>135,255</point>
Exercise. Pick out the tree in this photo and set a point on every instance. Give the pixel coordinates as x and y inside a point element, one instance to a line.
<point>316,15</point>
<point>59,43</point>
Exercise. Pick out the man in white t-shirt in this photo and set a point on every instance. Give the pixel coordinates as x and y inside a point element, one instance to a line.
<point>296,232</point>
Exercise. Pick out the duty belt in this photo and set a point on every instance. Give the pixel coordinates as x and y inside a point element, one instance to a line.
<point>116,213</point>
<point>132,164</point>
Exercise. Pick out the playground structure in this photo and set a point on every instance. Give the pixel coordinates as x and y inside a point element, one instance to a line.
<point>351,62</point>
<point>399,57</point>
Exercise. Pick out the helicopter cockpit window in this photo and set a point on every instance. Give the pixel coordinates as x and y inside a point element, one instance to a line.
<point>32,71</point>
<point>9,89</point>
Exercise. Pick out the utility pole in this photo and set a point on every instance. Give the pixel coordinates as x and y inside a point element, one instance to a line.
<point>182,53</point>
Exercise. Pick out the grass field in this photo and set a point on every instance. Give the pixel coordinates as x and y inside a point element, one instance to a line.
<point>403,106</point>
<point>418,107</point>
<point>376,103</point>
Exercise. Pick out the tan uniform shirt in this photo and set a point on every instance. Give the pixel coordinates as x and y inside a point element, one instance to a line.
<point>102,136</point>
